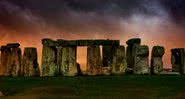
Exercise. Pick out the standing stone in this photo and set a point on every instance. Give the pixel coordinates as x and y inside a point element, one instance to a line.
<point>119,63</point>
<point>131,51</point>
<point>141,63</point>
<point>49,61</point>
<point>30,63</point>
<point>94,63</point>
<point>59,60</point>
<point>5,61</point>
<point>16,61</point>
<point>177,60</point>
<point>156,60</point>
<point>69,62</point>
<point>107,56</point>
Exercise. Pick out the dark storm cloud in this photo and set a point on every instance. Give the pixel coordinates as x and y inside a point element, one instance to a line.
<point>83,15</point>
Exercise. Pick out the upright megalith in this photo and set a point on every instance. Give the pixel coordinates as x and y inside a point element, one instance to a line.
<point>94,63</point>
<point>156,60</point>
<point>5,61</point>
<point>16,58</point>
<point>30,62</point>
<point>49,61</point>
<point>130,52</point>
<point>107,55</point>
<point>119,63</point>
<point>141,61</point>
<point>69,62</point>
<point>177,60</point>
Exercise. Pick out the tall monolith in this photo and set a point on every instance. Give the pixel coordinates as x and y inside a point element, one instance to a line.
<point>30,62</point>
<point>119,63</point>
<point>94,62</point>
<point>141,61</point>
<point>156,60</point>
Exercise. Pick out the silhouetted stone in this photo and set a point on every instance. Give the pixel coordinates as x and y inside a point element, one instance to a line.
<point>30,64</point>
<point>6,61</point>
<point>13,45</point>
<point>130,52</point>
<point>69,64</point>
<point>119,63</point>
<point>177,60</point>
<point>141,64</point>
<point>94,63</point>
<point>16,58</point>
<point>49,61</point>
<point>107,55</point>
<point>156,60</point>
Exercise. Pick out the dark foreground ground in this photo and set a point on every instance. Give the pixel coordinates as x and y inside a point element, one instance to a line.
<point>98,87</point>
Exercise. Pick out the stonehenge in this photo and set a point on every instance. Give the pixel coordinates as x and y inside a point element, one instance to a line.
<point>30,63</point>
<point>104,57</point>
<point>156,60</point>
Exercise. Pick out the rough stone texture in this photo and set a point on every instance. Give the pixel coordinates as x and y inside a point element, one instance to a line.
<point>130,52</point>
<point>6,61</point>
<point>156,60</point>
<point>1,94</point>
<point>16,58</point>
<point>141,64</point>
<point>13,45</point>
<point>94,63</point>
<point>59,59</point>
<point>69,64</point>
<point>30,63</point>
<point>119,63</point>
<point>107,55</point>
<point>61,42</point>
<point>49,61</point>
<point>106,70</point>
<point>177,60</point>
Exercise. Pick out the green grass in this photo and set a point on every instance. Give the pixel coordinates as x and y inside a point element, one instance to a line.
<point>94,87</point>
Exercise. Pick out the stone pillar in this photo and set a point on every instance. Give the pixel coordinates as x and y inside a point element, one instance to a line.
<point>131,51</point>
<point>156,60</point>
<point>107,55</point>
<point>59,59</point>
<point>69,63</point>
<point>5,61</point>
<point>30,63</point>
<point>94,63</point>
<point>177,60</point>
<point>141,62</point>
<point>16,61</point>
<point>49,61</point>
<point>119,63</point>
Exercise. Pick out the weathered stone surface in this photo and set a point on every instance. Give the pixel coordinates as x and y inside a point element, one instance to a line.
<point>49,61</point>
<point>141,64</point>
<point>94,63</point>
<point>107,55</point>
<point>119,63</point>
<point>156,60</point>
<point>177,60</point>
<point>59,59</point>
<point>61,42</point>
<point>134,41</point>
<point>6,57</point>
<point>30,64</point>
<point>130,53</point>
<point>1,94</point>
<point>106,70</point>
<point>69,64</point>
<point>16,58</point>
<point>13,45</point>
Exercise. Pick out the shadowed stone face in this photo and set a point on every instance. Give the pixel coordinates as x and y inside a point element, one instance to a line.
<point>141,64</point>
<point>107,56</point>
<point>49,61</point>
<point>119,63</point>
<point>177,60</point>
<point>30,63</point>
<point>69,64</point>
<point>156,60</point>
<point>131,51</point>
<point>94,63</point>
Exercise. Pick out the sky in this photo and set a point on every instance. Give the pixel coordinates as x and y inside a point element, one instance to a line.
<point>156,22</point>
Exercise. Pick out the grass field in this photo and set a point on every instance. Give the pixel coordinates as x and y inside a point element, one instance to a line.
<point>94,87</point>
